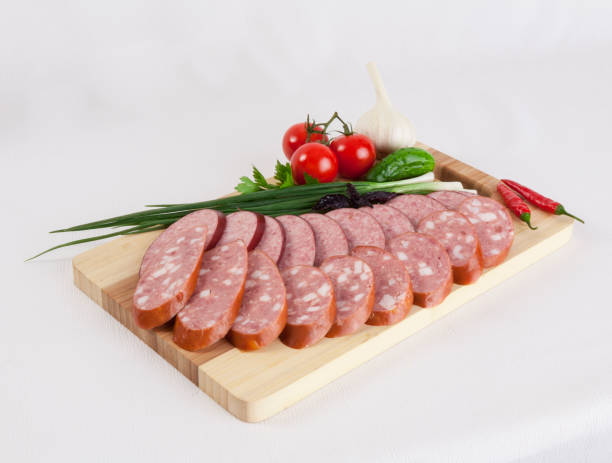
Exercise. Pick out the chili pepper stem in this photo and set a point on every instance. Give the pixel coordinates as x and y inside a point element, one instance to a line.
<point>560,210</point>
<point>526,217</point>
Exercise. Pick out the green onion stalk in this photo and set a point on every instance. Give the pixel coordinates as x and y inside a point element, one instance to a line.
<point>292,200</point>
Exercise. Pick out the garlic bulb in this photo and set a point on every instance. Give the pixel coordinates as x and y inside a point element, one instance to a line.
<point>388,129</point>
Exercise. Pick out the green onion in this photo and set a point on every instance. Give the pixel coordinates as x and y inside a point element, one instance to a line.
<point>293,200</point>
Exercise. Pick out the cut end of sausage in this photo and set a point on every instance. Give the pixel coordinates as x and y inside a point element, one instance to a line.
<point>243,225</point>
<point>330,240</point>
<point>311,306</point>
<point>393,289</point>
<point>273,239</point>
<point>428,265</point>
<point>212,309</point>
<point>263,312</point>
<point>459,238</point>
<point>353,283</point>
<point>300,247</point>
<point>415,207</point>
<point>493,225</point>
<point>169,272</point>
<point>361,229</point>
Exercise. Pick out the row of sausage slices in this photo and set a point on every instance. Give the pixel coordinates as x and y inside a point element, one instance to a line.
<point>253,278</point>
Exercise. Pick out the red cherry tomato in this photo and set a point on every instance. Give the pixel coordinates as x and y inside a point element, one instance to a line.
<point>295,136</point>
<point>315,159</point>
<point>355,154</point>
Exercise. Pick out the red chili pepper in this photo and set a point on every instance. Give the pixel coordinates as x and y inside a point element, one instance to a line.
<point>515,203</point>
<point>544,203</point>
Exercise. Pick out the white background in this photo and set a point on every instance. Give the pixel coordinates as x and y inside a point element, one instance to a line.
<point>107,106</point>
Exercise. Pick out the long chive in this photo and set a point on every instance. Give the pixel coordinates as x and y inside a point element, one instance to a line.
<point>292,200</point>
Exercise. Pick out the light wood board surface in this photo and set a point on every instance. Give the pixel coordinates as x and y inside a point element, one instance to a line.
<point>256,385</point>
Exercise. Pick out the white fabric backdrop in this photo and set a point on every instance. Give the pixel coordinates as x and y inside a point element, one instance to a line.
<point>106,106</point>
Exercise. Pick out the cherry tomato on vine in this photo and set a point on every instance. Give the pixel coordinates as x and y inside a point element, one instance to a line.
<point>355,153</point>
<point>315,159</point>
<point>295,136</point>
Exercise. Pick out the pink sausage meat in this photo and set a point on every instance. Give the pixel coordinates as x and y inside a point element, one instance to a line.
<point>273,240</point>
<point>263,312</point>
<point>392,221</point>
<point>311,306</point>
<point>169,277</point>
<point>212,309</point>
<point>393,289</point>
<point>361,229</point>
<point>449,199</point>
<point>243,225</point>
<point>458,236</point>
<point>300,245</point>
<point>353,283</point>
<point>493,226</point>
<point>415,207</point>
<point>428,265</point>
<point>330,240</point>
<point>214,222</point>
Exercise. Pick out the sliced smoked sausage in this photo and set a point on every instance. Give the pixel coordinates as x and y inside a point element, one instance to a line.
<point>212,309</point>
<point>493,226</point>
<point>415,207</point>
<point>449,199</point>
<point>169,278</point>
<point>273,240</point>
<point>243,225</point>
<point>300,245</point>
<point>330,240</point>
<point>214,222</point>
<point>458,236</point>
<point>392,221</point>
<point>393,289</point>
<point>428,265</point>
<point>361,229</point>
<point>263,312</point>
<point>311,307</point>
<point>353,283</point>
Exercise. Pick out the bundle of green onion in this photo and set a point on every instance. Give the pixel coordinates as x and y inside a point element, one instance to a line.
<point>292,200</point>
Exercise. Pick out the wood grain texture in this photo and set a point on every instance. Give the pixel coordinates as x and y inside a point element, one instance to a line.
<point>255,385</point>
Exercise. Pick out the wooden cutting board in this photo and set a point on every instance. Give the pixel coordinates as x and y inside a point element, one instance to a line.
<point>256,385</point>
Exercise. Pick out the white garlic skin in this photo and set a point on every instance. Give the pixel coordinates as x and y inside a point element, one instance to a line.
<point>388,129</point>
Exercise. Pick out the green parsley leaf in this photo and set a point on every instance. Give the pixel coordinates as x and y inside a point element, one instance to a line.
<point>247,186</point>
<point>282,173</point>
<point>310,180</point>
<point>261,180</point>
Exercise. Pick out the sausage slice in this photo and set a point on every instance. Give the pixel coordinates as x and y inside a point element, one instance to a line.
<point>243,225</point>
<point>428,265</point>
<point>449,199</point>
<point>212,309</point>
<point>311,307</point>
<point>415,207</point>
<point>458,236</point>
<point>214,222</point>
<point>393,289</point>
<point>353,283</point>
<point>300,245</point>
<point>360,228</point>
<point>392,221</point>
<point>493,226</point>
<point>263,312</point>
<point>169,271</point>
<point>330,240</point>
<point>273,239</point>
